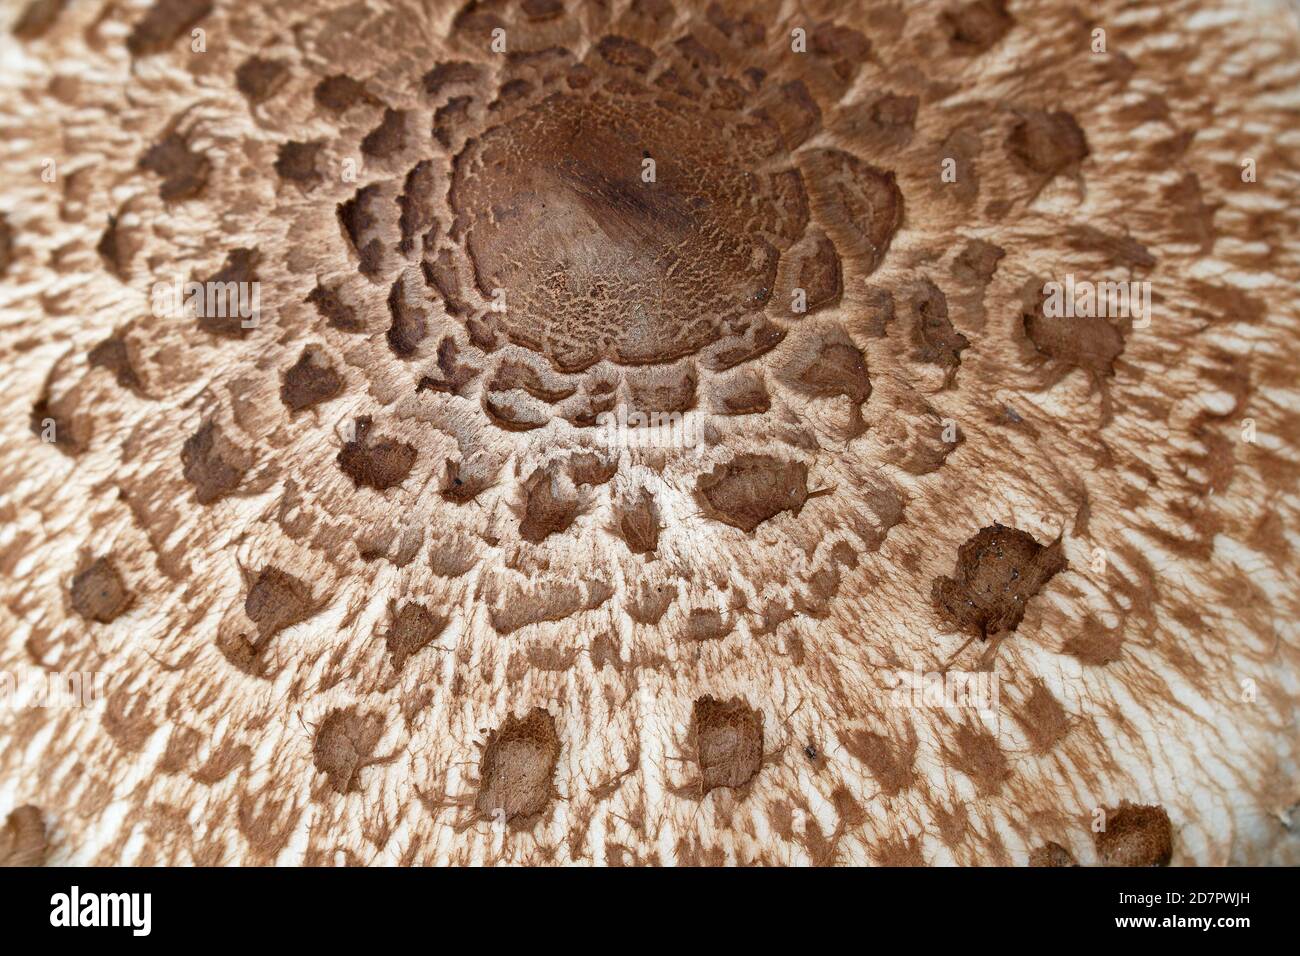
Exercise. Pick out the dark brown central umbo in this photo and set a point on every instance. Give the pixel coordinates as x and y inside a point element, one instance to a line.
<point>600,260</point>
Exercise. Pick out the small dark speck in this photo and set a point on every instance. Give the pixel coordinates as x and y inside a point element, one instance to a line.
<point>810,752</point>
<point>1012,416</point>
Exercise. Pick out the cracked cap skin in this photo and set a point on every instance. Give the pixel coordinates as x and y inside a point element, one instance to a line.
<point>607,410</point>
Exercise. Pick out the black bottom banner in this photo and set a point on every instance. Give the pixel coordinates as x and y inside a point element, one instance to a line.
<point>303,907</point>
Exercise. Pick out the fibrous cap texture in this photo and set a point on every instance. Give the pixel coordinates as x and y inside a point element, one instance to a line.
<point>648,432</point>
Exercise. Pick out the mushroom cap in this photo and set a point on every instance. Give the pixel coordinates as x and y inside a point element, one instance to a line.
<point>546,432</point>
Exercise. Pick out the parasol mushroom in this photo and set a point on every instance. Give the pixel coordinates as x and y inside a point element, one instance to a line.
<point>543,432</point>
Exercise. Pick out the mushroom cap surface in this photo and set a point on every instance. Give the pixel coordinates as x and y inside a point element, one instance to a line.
<point>644,432</point>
